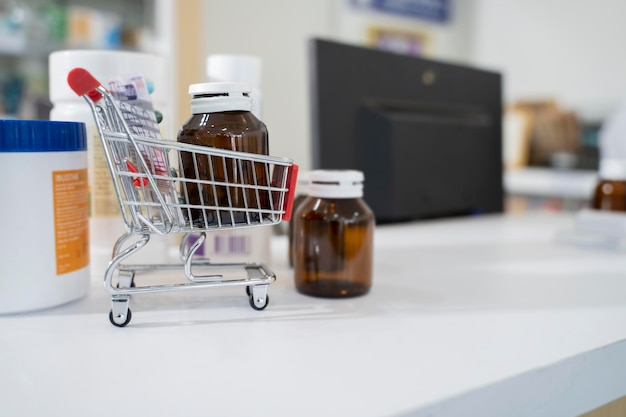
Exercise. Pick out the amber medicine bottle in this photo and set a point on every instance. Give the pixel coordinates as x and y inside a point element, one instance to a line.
<point>610,192</point>
<point>222,118</point>
<point>334,233</point>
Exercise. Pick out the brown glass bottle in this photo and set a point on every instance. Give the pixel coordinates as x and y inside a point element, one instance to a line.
<point>610,192</point>
<point>222,119</point>
<point>333,255</point>
<point>610,195</point>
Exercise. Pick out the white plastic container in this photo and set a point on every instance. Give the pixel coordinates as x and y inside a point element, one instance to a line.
<point>238,68</point>
<point>44,244</point>
<point>239,245</point>
<point>106,221</point>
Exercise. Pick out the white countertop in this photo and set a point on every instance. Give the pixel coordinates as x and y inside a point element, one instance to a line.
<point>482,316</point>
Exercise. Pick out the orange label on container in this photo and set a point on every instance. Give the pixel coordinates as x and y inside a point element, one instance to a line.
<point>71,219</point>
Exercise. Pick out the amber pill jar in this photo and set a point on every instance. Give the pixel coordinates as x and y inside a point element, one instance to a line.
<point>222,118</point>
<point>610,192</point>
<point>334,236</point>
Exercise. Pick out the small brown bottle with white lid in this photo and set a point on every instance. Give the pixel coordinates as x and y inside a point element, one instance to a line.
<point>222,118</point>
<point>334,236</point>
<point>610,192</point>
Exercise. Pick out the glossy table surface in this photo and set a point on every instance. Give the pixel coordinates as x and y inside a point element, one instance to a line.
<point>480,316</point>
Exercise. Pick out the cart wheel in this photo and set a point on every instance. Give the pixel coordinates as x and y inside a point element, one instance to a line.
<point>256,307</point>
<point>129,315</point>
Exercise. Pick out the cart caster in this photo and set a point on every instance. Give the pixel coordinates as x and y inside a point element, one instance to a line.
<point>259,304</point>
<point>120,320</point>
<point>257,295</point>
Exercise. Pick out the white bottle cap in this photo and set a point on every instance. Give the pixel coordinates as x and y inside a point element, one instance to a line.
<point>218,97</point>
<point>336,183</point>
<point>104,66</point>
<point>613,169</point>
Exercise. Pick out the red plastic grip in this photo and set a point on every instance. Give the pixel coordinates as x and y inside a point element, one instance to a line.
<point>292,178</point>
<point>83,83</point>
<point>136,182</point>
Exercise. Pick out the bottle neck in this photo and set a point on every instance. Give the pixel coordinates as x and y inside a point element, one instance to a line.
<point>316,191</point>
<point>200,105</point>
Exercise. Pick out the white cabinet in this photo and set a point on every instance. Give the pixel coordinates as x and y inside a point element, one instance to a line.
<point>534,188</point>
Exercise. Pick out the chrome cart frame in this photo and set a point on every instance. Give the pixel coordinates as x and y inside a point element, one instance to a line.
<point>156,198</point>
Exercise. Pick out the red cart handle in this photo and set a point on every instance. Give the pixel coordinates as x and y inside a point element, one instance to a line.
<point>292,178</point>
<point>83,83</point>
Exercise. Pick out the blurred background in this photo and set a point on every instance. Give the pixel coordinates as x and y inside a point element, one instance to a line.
<point>560,60</point>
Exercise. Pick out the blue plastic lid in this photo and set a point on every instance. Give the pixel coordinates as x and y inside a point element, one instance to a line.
<point>42,136</point>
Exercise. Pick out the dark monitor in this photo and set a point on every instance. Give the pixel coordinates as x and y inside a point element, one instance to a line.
<point>427,134</point>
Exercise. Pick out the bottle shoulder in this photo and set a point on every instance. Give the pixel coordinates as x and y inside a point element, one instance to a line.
<point>232,120</point>
<point>219,129</point>
<point>334,209</point>
<point>621,184</point>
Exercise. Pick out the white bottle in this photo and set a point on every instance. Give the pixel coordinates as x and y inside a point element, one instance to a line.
<point>251,244</point>
<point>106,223</point>
<point>239,68</point>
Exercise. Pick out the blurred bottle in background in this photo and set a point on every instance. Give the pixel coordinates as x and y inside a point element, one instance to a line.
<point>106,223</point>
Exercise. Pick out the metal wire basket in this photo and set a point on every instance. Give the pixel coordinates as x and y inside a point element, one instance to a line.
<point>168,187</point>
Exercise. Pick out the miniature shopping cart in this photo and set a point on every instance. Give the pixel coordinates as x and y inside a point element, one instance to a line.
<point>156,196</point>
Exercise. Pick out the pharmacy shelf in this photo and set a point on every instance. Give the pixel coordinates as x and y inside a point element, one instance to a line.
<point>24,55</point>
